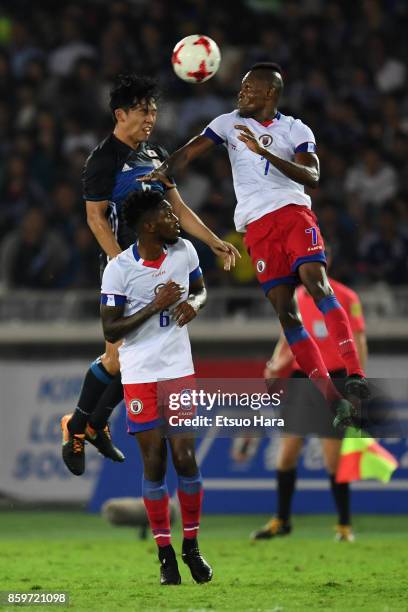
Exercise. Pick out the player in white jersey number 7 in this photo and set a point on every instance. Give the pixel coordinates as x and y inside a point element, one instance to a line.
<point>273,157</point>
<point>150,292</point>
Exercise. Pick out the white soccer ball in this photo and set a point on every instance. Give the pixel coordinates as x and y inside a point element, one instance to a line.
<point>196,58</point>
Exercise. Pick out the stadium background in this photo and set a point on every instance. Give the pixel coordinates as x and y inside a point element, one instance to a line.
<point>345,71</point>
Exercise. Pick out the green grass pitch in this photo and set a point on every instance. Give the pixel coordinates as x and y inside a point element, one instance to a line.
<point>109,568</point>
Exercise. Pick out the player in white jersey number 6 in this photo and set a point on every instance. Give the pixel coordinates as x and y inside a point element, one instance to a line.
<point>150,292</point>
<point>273,157</point>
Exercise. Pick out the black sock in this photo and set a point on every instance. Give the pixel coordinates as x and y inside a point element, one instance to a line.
<point>111,397</point>
<point>166,552</point>
<point>189,544</point>
<point>341,494</point>
<point>286,486</point>
<point>95,382</point>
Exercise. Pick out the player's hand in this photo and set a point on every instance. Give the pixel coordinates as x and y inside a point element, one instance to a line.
<point>168,295</point>
<point>226,251</point>
<point>249,139</point>
<point>184,313</point>
<point>157,175</point>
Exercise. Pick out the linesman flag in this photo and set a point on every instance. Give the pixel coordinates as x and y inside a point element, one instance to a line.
<point>363,458</point>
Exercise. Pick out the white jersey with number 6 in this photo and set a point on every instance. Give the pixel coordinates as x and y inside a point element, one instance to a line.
<point>259,187</point>
<point>159,349</point>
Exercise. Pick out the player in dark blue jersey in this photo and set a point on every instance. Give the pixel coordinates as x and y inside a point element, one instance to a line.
<point>111,172</point>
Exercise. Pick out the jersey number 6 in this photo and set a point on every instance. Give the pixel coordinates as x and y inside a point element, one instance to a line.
<point>164,318</point>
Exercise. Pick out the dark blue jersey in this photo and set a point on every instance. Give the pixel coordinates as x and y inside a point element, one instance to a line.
<point>111,173</point>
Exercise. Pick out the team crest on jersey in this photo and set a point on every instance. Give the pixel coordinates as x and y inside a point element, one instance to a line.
<point>260,266</point>
<point>185,398</point>
<point>265,140</point>
<point>151,153</point>
<point>136,406</point>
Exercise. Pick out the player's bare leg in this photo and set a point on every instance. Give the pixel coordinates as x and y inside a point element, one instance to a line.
<point>190,494</point>
<point>313,276</point>
<point>110,358</point>
<point>288,455</point>
<point>307,353</point>
<point>341,491</point>
<point>153,448</point>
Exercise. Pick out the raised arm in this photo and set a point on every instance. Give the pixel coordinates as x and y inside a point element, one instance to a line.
<point>180,158</point>
<point>194,148</point>
<point>192,224</point>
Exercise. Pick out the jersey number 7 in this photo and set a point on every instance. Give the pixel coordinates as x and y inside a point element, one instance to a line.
<point>313,231</point>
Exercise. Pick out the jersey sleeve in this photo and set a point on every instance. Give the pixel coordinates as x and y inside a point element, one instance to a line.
<point>355,313</point>
<point>302,138</point>
<point>216,130</point>
<point>98,177</point>
<point>113,290</point>
<point>194,269</point>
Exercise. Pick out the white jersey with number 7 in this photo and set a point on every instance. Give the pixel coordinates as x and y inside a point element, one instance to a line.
<point>259,187</point>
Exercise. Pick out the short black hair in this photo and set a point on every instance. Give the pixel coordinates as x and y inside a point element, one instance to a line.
<point>266,70</point>
<point>140,206</point>
<point>267,66</point>
<point>130,89</point>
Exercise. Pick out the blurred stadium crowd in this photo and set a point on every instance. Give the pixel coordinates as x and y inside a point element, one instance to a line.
<point>345,76</point>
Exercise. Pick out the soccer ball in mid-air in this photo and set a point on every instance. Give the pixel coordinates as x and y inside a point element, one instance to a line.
<point>196,58</point>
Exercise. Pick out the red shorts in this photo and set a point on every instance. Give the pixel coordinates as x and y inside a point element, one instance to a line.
<point>279,242</point>
<point>147,404</point>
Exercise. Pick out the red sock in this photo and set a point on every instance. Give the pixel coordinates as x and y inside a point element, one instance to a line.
<point>190,494</point>
<point>308,356</point>
<point>339,329</point>
<point>156,500</point>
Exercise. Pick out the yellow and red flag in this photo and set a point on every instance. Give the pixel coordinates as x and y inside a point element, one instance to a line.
<point>362,458</point>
